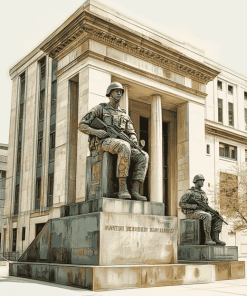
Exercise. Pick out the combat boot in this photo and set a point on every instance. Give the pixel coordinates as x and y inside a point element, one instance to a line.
<point>217,240</point>
<point>208,240</point>
<point>135,189</point>
<point>123,190</point>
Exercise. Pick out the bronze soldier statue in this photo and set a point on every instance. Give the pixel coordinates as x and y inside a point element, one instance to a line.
<point>113,116</point>
<point>194,203</point>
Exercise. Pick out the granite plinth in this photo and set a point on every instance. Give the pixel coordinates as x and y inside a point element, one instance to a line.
<point>106,239</point>
<point>191,232</point>
<point>224,270</point>
<point>99,278</point>
<point>207,253</point>
<point>113,205</point>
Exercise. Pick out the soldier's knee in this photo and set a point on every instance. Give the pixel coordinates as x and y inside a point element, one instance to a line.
<point>125,147</point>
<point>146,156</point>
<point>208,216</point>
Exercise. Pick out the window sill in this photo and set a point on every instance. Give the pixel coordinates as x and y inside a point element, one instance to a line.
<point>208,154</point>
<point>228,159</point>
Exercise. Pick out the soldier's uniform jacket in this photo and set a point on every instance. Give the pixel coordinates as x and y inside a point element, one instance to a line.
<point>109,116</point>
<point>186,202</point>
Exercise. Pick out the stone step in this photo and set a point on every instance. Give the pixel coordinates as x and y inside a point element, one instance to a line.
<point>113,205</point>
<point>3,263</point>
<point>224,270</point>
<point>99,278</point>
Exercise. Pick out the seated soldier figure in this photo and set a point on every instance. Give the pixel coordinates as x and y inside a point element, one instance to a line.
<point>194,211</point>
<point>111,114</point>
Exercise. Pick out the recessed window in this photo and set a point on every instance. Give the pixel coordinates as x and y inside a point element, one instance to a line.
<point>245,117</point>
<point>230,114</point>
<point>230,89</point>
<point>220,110</point>
<point>14,240</point>
<point>228,151</point>
<point>23,233</point>
<point>219,84</point>
<point>208,149</point>
<point>245,95</point>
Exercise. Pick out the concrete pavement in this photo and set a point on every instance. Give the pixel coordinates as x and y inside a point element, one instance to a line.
<point>14,286</point>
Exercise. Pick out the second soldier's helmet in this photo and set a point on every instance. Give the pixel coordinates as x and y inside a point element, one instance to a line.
<point>198,177</point>
<point>112,86</point>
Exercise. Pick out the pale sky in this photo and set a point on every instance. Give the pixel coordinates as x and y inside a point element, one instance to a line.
<point>216,26</point>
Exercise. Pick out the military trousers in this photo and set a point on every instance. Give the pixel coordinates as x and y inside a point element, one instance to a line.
<point>126,155</point>
<point>209,221</point>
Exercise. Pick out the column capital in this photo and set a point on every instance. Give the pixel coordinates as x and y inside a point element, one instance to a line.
<point>126,86</point>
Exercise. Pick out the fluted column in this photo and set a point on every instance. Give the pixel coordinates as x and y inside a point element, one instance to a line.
<point>156,163</point>
<point>125,100</point>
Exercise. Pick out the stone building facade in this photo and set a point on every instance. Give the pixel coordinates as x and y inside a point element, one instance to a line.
<point>3,169</point>
<point>171,94</point>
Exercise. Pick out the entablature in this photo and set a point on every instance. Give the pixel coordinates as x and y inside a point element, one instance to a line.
<point>88,26</point>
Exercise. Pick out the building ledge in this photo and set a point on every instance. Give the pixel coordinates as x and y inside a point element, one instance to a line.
<point>219,130</point>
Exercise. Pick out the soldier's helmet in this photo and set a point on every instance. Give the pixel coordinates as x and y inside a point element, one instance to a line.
<point>198,177</point>
<point>112,86</point>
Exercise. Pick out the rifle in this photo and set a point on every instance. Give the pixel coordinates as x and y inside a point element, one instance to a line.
<point>114,132</point>
<point>207,208</point>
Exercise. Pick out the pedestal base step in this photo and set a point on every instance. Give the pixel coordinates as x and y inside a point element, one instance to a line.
<point>224,270</point>
<point>207,253</point>
<point>113,205</point>
<point>99,278</point>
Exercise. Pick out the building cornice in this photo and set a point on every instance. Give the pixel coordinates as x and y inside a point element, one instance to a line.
<point>91,54</point>
<point>212,128</point>
<point>88,25</point>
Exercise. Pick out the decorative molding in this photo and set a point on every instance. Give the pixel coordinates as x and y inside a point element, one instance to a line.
<point>225,133</point>
<point>114,62</point>
<point>89,26</point>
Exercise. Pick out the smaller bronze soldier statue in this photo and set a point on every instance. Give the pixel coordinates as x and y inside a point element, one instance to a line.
<point>111,129</point>
<point>194,203</point>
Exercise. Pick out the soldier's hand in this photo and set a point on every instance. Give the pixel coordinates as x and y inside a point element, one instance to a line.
<point>133,138</point>
<point>102,134</point>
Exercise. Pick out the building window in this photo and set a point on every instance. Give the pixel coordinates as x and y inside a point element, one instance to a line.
<point>208,149</point>
<point>23,233</point>
<point>228,151</point>
<point>16,205</point>
<point>231,114</point>
<point>39,152</point>
<point>50,190</point>
<point>245,155</point>
<point>230,89</point>
<point>14,239</point>
<point>245,95</point>
<point>219,84</point>
<point>220,110</point>
<point>39,227</point>
<point>3,174</point>
<point>52,140</point>
<point>38,193</point>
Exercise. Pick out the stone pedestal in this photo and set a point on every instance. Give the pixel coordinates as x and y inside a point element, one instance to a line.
<point>107,238</point>
<point>192,247</point>
<point>207,253</point>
